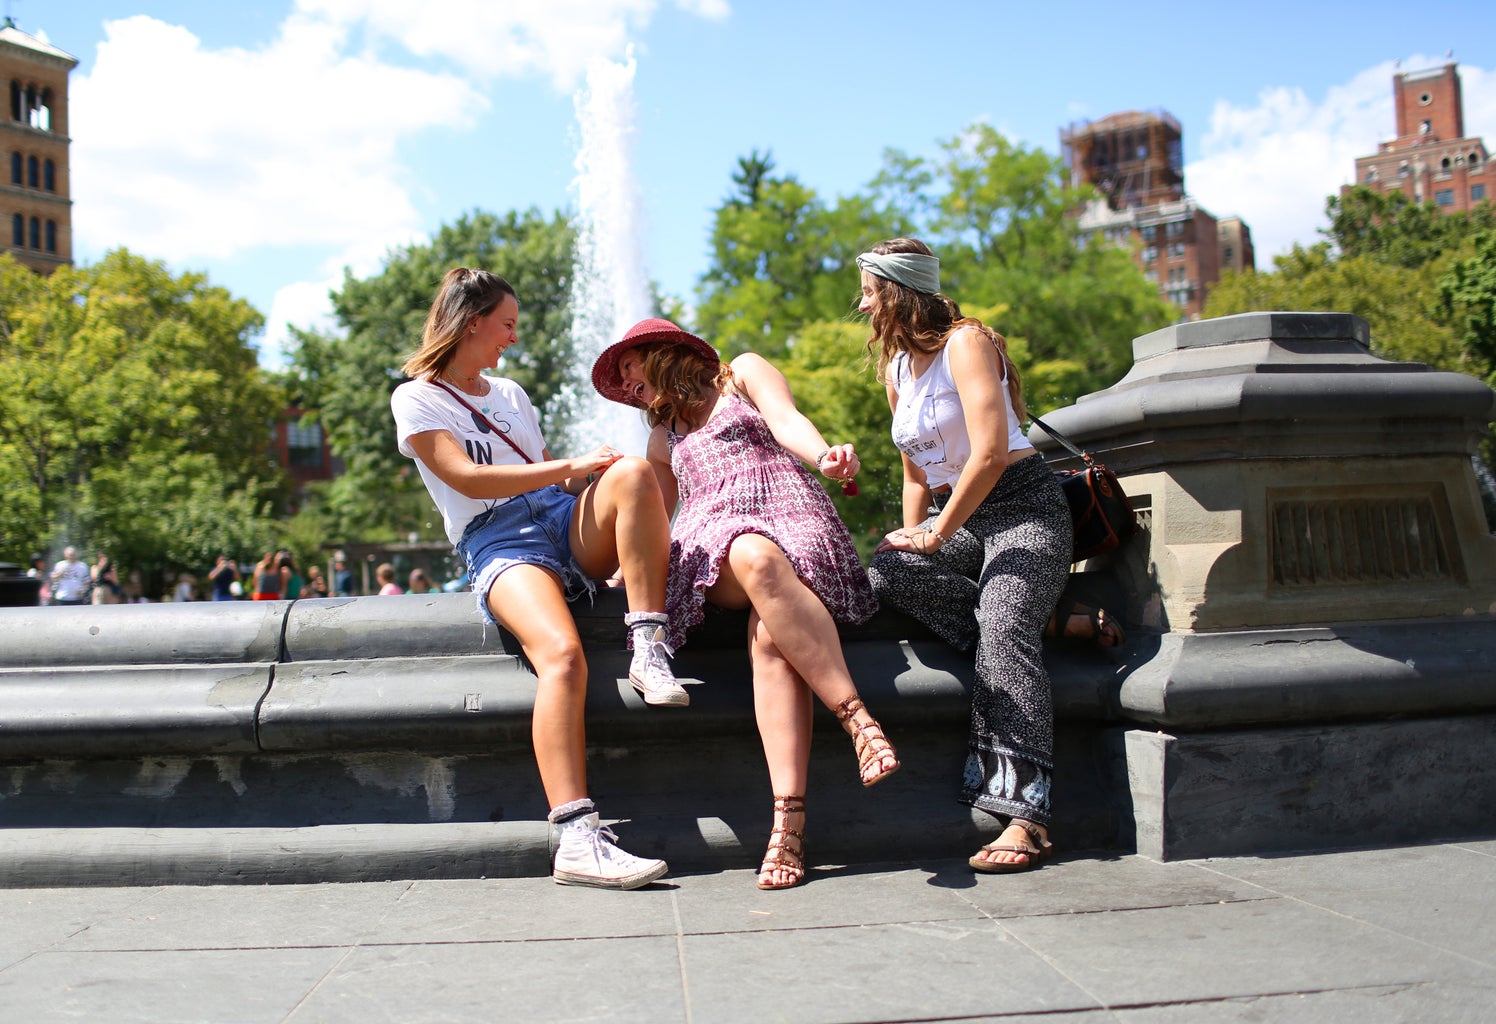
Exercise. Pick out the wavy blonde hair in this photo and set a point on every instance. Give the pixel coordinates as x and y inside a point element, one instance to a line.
<point>682,379</point>
<point>909,321</point>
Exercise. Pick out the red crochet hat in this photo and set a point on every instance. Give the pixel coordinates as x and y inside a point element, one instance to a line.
<point>605,376</point>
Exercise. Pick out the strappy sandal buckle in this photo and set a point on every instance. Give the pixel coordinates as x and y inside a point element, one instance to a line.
<point>869,743</point>
<point>786,850</point>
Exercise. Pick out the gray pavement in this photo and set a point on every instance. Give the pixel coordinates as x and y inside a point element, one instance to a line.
<point>1396,934</point>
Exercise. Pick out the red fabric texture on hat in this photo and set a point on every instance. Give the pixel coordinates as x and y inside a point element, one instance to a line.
<point>605,376</point>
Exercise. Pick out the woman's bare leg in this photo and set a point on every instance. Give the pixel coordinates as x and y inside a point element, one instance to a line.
<point>620,522</point>
<point>548,634</point>
<point>757,572</point>
<point>782,707</point>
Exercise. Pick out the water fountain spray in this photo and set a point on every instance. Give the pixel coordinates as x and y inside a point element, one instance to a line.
<point>610,289</point>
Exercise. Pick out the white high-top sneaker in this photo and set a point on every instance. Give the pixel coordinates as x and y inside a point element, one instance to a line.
<point>651,674</point>
<point>586,855</point>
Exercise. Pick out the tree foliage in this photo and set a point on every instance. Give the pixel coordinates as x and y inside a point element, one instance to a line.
<point>348,376</point>
<point>134,417</point>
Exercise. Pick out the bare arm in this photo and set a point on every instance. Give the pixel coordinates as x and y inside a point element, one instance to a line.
<point>977,371</point>
<point>658,454</point>
<point>767,389</point>
<point>441,453</point>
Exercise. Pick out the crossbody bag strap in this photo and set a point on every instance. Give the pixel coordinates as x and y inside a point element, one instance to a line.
<point>507,439</point>
<point>1064,441</point>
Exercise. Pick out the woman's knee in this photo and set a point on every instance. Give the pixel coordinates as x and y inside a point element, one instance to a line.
<point>756,560</point>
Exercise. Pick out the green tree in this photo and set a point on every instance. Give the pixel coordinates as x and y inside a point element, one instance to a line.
<point>348,377</point>
<point>126,395</point>
<point>1398,303</point>
<point>1390,228</point>
<point>781,258</point>
<point>1000,216</point>
<point>1467,293</point>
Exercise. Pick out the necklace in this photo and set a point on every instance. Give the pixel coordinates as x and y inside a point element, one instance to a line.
<point>462,377</point>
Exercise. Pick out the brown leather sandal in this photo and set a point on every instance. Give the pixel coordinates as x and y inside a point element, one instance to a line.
<point>1103,630</point>
<point>1038,850</point>
<point>868,742</point>
<point>786,850</point>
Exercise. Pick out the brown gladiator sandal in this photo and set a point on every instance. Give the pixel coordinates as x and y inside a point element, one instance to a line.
<point>786,850</point>
<point>1038,851</point>
<point>868,742</point>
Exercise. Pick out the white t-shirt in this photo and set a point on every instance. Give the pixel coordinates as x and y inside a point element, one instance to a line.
<point>420,406</point>
<point>929,425</point>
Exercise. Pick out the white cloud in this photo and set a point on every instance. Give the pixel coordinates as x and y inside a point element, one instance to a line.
<point>296,143</point>
<point>1274,163</point>
<point>508,38</point>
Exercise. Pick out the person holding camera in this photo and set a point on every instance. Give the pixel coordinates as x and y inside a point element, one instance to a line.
<point>985,548</point>
<point>755,530</point>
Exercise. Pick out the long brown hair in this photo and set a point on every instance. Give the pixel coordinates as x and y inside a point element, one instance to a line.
<point>464,296</point>
<point>909,321</point>
<point>682,380</point>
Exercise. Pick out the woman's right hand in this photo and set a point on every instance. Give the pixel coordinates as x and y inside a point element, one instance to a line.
<point>595,461</point>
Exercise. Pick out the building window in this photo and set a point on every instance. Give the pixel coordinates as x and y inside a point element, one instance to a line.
<point>1151,276</point>
<point>304,445</point>
<point>18,231</point>
<point>1424,100</point>
<point>15,168</point>
<point>1175,229</point>
<point>1444,196</point>
<point>51,236</point>
<point>1228,254</point>
<point>49,176</point>
<point>1150,254</point>
<point>33,172</point>
<point>1425,127</point>
<point>1474,159</point>
<point>36,233</point>
<point>1402,172</point>
<point>1477,193</point>
<point>1176,251</point>
<point>1149,232</point>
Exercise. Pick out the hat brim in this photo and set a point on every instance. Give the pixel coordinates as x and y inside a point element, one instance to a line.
<point>609,382</point>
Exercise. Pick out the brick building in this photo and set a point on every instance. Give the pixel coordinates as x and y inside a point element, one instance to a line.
<point>1135,161</point>
<point>1430,160</point>
<point>36,204</point>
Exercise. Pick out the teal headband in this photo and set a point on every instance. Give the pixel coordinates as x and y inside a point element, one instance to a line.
<point>910,269</point>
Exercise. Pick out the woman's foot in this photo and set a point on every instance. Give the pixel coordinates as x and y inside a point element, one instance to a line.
<point>1023,846</point>
<point>784,861</point>
<point>876,759</point>
<point>1074,621</point>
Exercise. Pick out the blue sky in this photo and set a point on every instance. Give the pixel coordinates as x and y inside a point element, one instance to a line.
<point>330,131</point>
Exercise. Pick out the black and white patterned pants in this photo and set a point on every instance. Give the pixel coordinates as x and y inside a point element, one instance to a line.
<point>992,586</point>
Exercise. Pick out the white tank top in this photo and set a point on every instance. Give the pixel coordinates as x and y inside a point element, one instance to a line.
<point>929,425</point>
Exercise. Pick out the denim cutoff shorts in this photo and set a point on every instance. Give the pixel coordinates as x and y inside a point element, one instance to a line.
<point>533,528</point>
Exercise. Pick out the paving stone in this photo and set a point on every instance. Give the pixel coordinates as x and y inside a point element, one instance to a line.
<point>620,979</point>
<point>1225,950</point>
<point>156,987</point>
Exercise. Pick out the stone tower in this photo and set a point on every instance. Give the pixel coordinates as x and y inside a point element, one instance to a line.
<point>36,223</point>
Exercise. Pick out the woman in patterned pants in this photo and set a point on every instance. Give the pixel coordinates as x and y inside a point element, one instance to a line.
<point>985,548</point>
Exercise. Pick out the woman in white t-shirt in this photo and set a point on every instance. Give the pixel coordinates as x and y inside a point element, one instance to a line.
<point>535,531</point>
<point>985,548</point>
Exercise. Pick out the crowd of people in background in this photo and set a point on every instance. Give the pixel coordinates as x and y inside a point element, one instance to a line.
<point>72,580</point>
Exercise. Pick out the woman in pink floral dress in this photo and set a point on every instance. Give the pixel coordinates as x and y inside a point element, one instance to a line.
<point>755,530</point>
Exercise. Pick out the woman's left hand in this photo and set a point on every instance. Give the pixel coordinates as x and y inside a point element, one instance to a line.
<point>911,538</point>
<point>839,462</point>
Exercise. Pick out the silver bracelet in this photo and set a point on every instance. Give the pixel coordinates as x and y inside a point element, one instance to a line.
<point>824,452</point>
<point>927,528</point>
